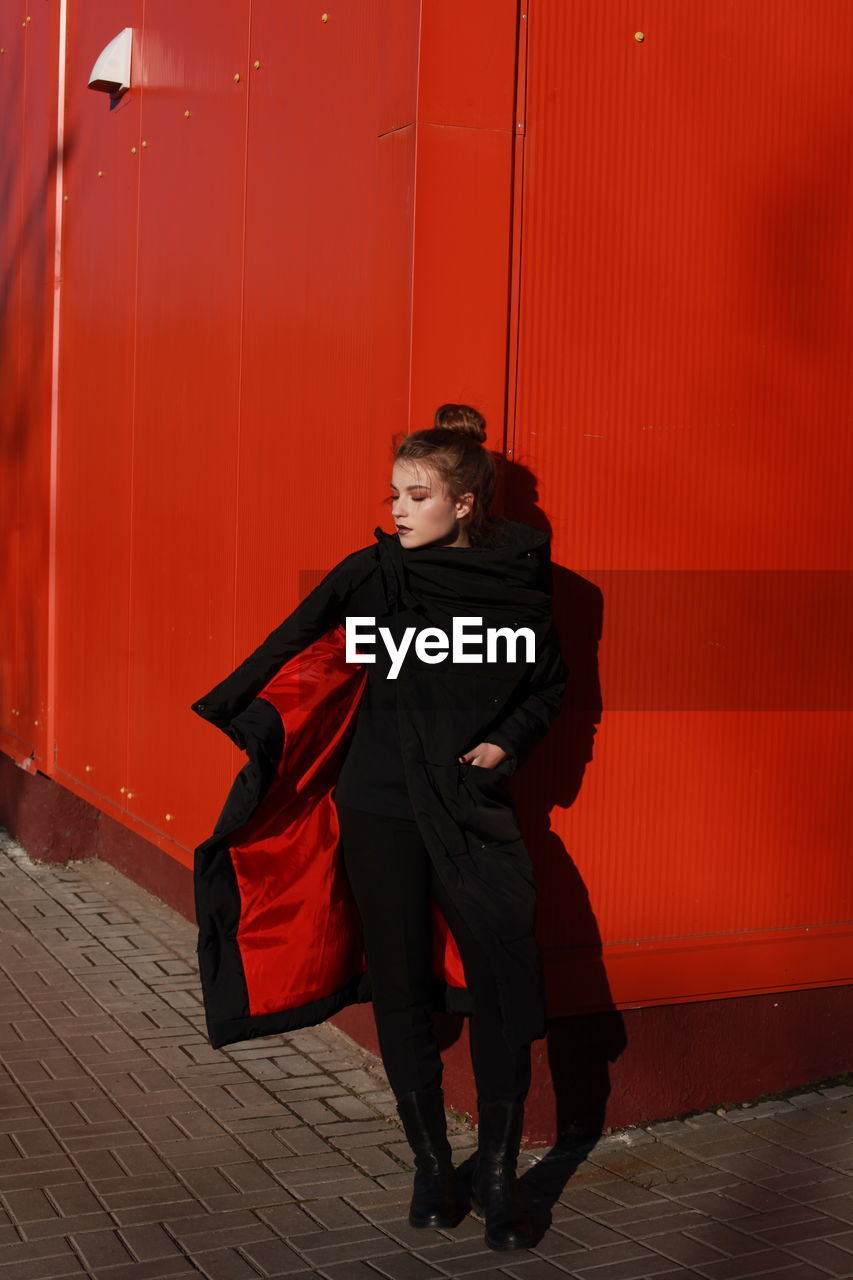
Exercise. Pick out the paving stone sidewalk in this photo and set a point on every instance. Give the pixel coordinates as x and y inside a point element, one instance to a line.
<point>129,1149</point>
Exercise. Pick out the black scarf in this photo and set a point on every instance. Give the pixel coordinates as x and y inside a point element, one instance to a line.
<point>507,584</point>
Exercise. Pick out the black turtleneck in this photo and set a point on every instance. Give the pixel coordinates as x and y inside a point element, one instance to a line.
<point>371,776</point>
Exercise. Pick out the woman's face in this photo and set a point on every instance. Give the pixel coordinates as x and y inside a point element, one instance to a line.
<point>421,509</point>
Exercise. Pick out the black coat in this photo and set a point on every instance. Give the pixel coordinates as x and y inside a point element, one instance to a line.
<point>280,943</point>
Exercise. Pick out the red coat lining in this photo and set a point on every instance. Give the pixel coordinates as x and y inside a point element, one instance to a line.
<point>300,935</point>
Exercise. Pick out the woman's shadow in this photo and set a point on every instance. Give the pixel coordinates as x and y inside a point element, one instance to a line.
<point>585,1032</point>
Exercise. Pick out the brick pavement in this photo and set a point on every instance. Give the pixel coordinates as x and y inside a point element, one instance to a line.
<point>130,1150</point>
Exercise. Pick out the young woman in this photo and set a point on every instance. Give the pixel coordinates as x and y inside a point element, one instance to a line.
<point>410,818</point>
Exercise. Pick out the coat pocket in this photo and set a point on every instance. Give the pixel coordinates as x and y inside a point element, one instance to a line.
<point>493,777</point>
<point>489,816</point>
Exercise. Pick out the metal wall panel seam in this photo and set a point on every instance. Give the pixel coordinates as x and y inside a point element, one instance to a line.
<point>240,340</point>
<point>49,761</point>
<point>132,424</point>
<point>515,227</point>
<point>415,168</point>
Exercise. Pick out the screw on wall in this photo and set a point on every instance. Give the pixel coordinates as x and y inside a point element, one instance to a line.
<point>639,36</point>
<point>257,64</point>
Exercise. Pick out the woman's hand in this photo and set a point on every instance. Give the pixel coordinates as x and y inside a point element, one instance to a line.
<point>486,755</point>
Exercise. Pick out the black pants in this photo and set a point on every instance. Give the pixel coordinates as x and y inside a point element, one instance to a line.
<point>392,879</point>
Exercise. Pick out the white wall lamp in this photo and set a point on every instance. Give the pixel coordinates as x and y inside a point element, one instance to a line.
<point>111,72</point>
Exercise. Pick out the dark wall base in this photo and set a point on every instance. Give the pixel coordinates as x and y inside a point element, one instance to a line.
<point>591,1072</point>
<point>54,825</point>
<point>635,1066</point>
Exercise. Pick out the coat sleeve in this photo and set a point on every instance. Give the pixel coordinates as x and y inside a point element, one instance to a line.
<point>531,718</point>
<point>319,612</point>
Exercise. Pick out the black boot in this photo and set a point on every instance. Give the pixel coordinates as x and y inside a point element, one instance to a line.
<point>434,1197</point>
<point>493,1187</point>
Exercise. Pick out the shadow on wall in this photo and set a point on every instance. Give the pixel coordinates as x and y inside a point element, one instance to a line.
<point>27,215</point>
<point>580,1047</point>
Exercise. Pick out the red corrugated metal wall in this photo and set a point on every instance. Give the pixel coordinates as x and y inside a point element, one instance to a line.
<point>683,400</point>
<point>225,401</point>
<point>28,72</point>
<point>638,264</point>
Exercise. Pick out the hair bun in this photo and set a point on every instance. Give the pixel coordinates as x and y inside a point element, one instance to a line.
<point>461,418</point>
